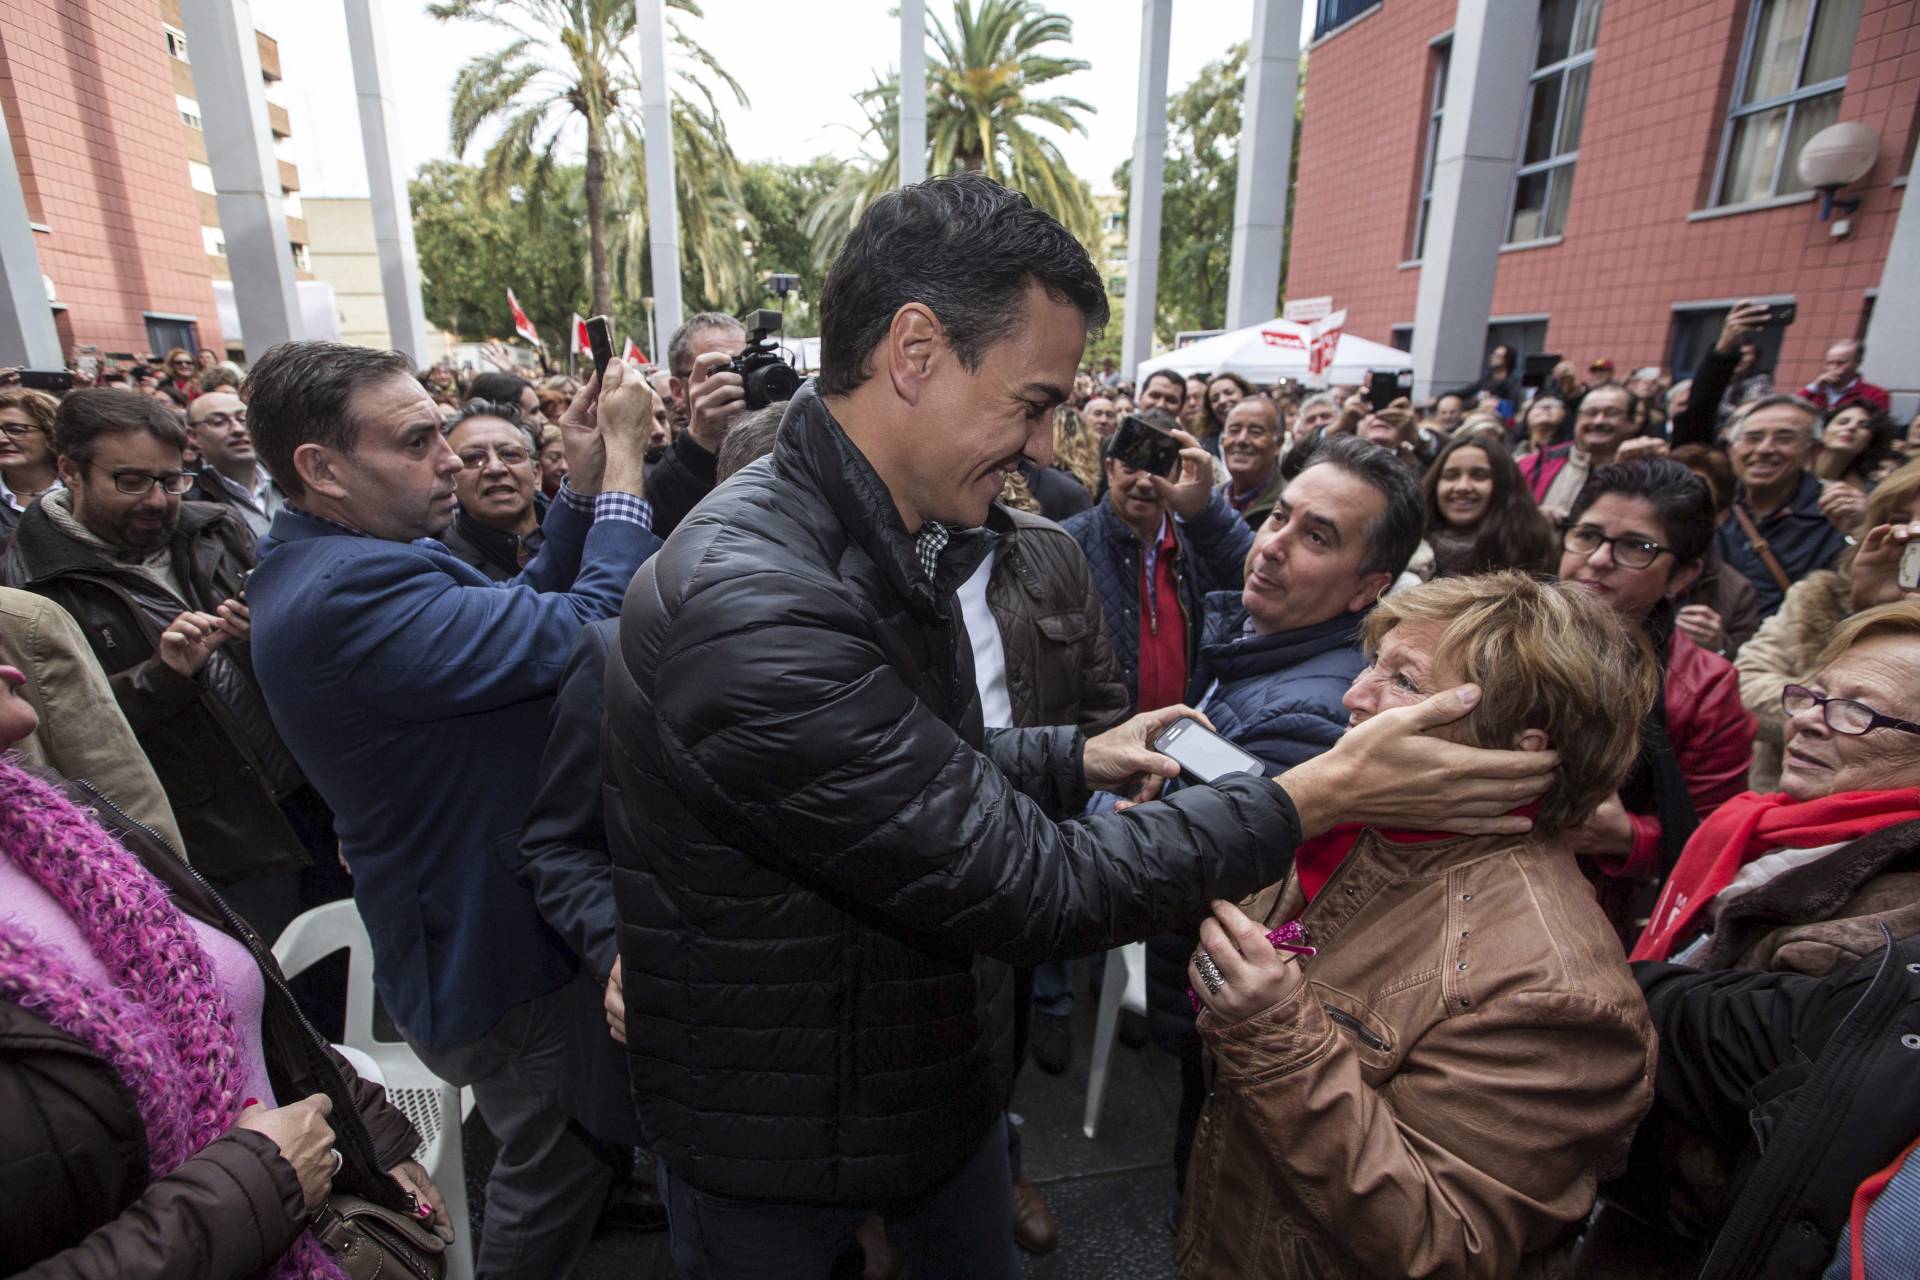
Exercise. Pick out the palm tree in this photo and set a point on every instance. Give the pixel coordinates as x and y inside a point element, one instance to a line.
<point>568,62</point>
<point>982,110</point>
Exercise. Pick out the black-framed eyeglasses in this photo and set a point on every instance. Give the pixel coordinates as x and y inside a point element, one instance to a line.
<point>1843,715</point>
<point>138,484</point>
<point>1629,551</point>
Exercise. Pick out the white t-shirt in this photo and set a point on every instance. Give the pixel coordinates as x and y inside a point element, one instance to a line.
<point>989,655</point>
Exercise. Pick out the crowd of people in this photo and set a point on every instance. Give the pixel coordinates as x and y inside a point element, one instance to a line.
<point>727,790</point>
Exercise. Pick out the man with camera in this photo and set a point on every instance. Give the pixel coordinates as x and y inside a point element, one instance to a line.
<point>708,398</point>
<point>813,836</point>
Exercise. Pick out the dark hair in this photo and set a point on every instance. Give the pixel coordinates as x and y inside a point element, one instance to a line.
<point>966,247</point>
<point>749,440</point>
<point>681,344</point>
<point>179,398</point>
<point>298,393</point>
<point>1680,498</point>
<point>1179,380</point>
<point>1882,433</point>
<point>1394,535</point>
<point>1512,534</point>
<point>1719,472</point>
<point>222,375</point>
<point>507,413</point>
<point>1216,425</point>
<point>87,415</point>
<point>495,385</point>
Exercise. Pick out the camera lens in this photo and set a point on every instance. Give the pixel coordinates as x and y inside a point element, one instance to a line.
<point>773,381</point>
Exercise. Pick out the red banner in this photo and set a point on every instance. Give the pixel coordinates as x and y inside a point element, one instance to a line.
<point>522,325</point>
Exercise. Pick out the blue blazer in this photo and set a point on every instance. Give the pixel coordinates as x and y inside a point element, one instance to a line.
<point>415,694</point>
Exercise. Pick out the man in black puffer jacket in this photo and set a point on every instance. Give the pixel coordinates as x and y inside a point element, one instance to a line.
<point>812,834</point>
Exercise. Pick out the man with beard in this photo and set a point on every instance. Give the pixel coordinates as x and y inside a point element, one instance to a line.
<point>155,584</point>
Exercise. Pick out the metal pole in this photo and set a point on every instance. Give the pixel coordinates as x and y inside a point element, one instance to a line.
<point>1266,156</point>
<point>656,122</point>
<point>27,333</point>
<point>386,184</point>
<point>246,173</point>
<point>1149,168</point>
<point>913,91</point>
<point>1893,334</point>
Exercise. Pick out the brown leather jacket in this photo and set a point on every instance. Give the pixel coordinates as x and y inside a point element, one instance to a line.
<point>1060,666</point>
<point>1469,1056</point>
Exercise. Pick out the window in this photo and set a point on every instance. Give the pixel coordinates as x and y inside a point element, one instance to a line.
<point>1527,337</point>
<point>189,110</point>
<point>1556,108</point>
<point>1329,14</point>
<point>1697,328</point>
<point>200,177</point>
<point>302,260</point>
<point>1793,68</point>
<point>1436,105</point>
<point>176,42</point>
<point>1115,221</point>
<point>1403,337</point>
<point>216,241</point>
<point>1116,286</point>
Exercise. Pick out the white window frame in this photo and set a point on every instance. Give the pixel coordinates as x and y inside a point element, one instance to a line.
<point>1562,71</point>
<point>1442,52</point>
<point>1791,100</point>
<point>189,111</point>
<point>176,43</point>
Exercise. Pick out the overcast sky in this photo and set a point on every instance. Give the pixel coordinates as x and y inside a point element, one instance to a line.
<point>800,63</point>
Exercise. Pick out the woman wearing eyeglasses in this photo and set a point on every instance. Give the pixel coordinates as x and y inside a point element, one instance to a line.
<point>1634,539</point>
<point>26,452</point>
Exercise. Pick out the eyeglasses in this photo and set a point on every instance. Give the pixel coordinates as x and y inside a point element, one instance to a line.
<point>510,455</point>
<point>223,420</point>
<point>1603,415</point>
<point>1843,715</point>
<point>138,484</point>
<point>18,430</point>
<point>1629,552</point>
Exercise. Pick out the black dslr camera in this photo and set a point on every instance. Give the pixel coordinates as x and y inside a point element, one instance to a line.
<point>768,377</point>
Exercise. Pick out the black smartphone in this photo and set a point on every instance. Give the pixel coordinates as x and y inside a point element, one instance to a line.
<point>1781,314</point>
<point>1538,367</point>
<point>57,380</point>
<point>1203,755</point>
<point>600,337</point>
<point>1142,446</point>
<point>1386,386</point>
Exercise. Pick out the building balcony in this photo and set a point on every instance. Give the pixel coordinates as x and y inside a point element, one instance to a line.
<point>277,119</point>
<point>269,55</point>
<point>289,177</point>
<point>297,231</point>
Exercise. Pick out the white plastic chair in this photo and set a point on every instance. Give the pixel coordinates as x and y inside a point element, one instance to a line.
<point>434,1106</point>
<point>1123,987</point>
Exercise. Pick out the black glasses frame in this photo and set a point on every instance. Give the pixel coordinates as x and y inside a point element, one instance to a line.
<point>1615,542</point>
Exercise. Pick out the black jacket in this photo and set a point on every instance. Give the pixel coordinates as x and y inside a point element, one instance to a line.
<point>1058,492</point>
<point>684,475</point>
<point>210,738</point>
<point>493,551</point>
<point>79,1196</point>
<point>813,837</point>
<point>1804,1085</point>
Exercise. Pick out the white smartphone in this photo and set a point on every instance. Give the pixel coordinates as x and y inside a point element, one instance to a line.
<point>1910,567</point>
<point>1203,755</point>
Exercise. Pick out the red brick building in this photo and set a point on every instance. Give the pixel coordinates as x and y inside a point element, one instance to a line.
<point>1654,175</point>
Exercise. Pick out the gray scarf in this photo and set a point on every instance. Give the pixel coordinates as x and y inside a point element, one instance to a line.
<point>156,565</point>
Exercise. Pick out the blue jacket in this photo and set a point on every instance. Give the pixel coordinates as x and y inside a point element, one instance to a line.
<point>415,694</point>
<point>1801,539</point>
<point>1279,698</point>
<point>1213,550</point>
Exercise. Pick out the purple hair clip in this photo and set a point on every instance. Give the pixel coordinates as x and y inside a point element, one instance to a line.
<point>1290,937</point>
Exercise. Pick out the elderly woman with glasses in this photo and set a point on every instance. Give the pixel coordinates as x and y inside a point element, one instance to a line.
<point>1426,1050</point>
<point>1785,1081</point>
<point>1634,540</point>
<point>27,465</point>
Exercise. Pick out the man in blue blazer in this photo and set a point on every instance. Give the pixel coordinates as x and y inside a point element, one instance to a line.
<point>415,692</point>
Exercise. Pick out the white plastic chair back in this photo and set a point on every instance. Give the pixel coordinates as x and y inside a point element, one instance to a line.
<point>433,1105</point>
<point>1123,987</point>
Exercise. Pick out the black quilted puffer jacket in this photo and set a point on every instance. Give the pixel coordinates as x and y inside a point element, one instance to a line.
<point>812,838</point>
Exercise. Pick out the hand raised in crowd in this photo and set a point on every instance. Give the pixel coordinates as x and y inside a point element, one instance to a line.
<point>496,354</point>
<point>625,414</point>
<point>1876,565</point>
<point>615,1002</point>
<point>1257,975</point>
<point>189,640</point>
<point>235,619</point>
<point>1641,447</point>
<point>1606,835</point>
<point>1192,490</point>
<point>1703,625</point>
<point>1391,772</point>
<point>1123,756</point>
<point>413,1180</point>
<point>581,440</point>
<point>1843,505</point>
<point>715,400</point>
<point>1745,317</point>
<point>305,1140</point>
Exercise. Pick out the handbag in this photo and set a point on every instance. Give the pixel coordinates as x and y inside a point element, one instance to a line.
<point>375,1243</point>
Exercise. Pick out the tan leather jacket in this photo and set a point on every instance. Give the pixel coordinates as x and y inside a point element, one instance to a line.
<point>1469,1057</point>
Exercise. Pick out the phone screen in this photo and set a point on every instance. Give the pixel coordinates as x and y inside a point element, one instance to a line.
<point>1142,446</point>
<point>1910,567</point>
<point>1203,754</point>
<point>600,336</point>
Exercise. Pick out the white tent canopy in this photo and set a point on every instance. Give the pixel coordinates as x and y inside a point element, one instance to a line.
<point>1275,350</point>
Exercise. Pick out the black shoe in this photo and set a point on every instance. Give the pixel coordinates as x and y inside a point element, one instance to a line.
<point>1133,1029</point>
<point>1051,1042</point>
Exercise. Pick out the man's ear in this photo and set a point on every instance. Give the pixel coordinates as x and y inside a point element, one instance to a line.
<point>910,349</point>
<point>1532,740</point>
<point>1369,591</point>
<point>319,470</point>
<point>71,473</point>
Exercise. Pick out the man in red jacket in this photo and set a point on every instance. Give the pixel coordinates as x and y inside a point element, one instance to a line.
<point>1840,383</point>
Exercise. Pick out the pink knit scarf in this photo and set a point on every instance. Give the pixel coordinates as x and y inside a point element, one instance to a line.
<point>163,1023</point>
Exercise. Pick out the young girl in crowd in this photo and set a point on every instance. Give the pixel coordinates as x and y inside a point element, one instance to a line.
<point>1479,514</point>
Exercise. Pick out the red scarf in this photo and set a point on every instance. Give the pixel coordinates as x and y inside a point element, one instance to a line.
<point>1318,858</point>
<point>1745,828</point>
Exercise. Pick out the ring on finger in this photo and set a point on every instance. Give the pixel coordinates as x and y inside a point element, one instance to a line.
<point>339,1162</point>
<point>1209,971</point>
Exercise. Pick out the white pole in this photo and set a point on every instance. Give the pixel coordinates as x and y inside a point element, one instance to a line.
<point>913,91</point>
<point>656,122</point>
<point>1266,155</point>
<point>386,184</point>
<point>27,333</point>
<point>1893,334</point>
<point>1149,168</point>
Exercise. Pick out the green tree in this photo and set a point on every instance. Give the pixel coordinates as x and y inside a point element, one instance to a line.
<point>983,115</point>
<point>1202,176</point>
<point>472,248</point>
<point>567,63</point>
<point>778,198</point>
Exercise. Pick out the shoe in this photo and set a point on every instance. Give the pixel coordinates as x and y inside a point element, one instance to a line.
<point>884,1262</point>
<point>1035,1229</point>
<point>1051,1042</point>
<point>1133,1029</point>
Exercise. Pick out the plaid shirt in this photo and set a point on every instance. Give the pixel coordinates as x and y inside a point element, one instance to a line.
<point>603,506</point>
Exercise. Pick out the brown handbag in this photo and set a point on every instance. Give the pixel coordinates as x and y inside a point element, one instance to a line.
<point>373,1243</point>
